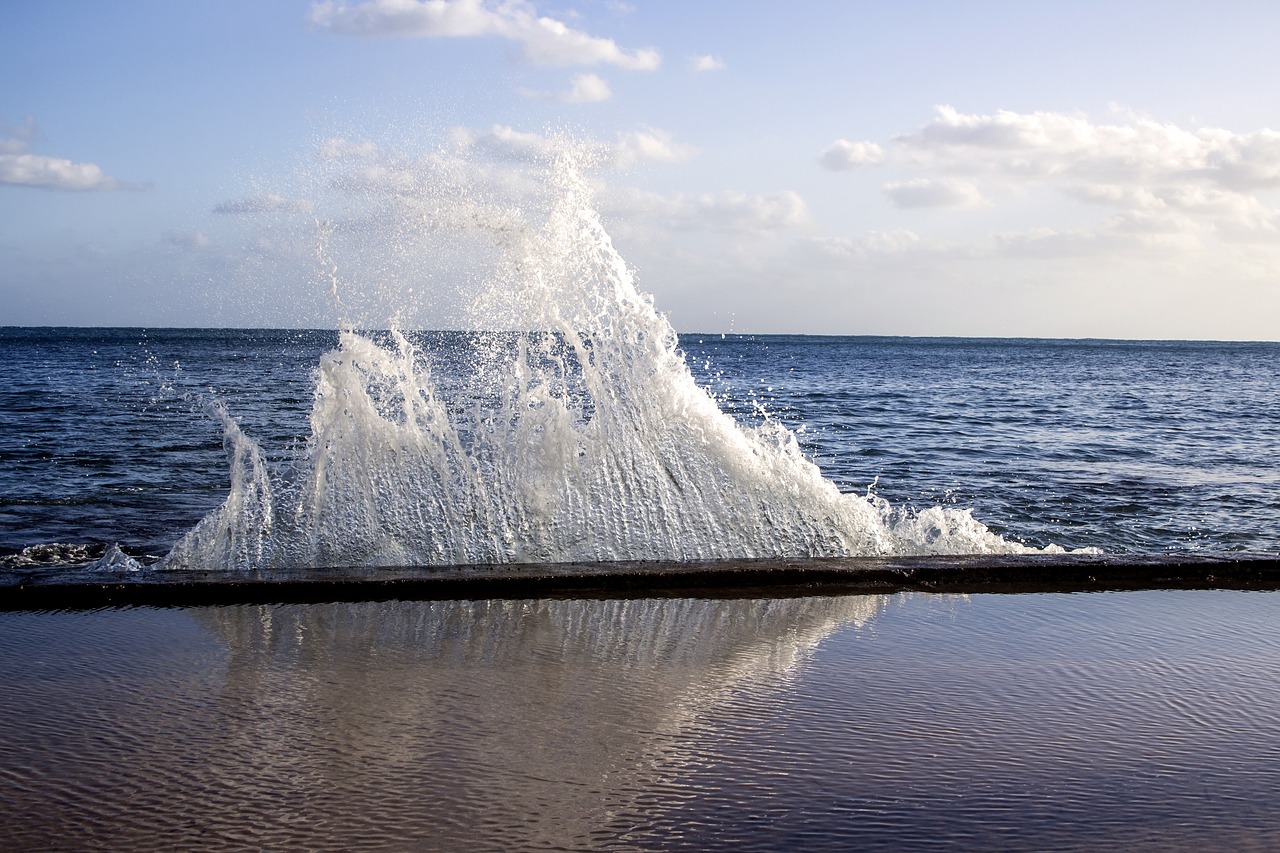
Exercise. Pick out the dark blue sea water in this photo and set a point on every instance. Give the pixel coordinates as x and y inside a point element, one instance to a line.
<point>1126,446</point>
<point>1135,721</point>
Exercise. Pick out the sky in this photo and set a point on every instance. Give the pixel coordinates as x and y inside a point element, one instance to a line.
<point>912,168</point>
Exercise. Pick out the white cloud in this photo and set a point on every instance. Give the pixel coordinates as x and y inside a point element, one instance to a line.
<point>1195,199</point>
<point>501,143</point>
<point>549,42</point>
<point>873,244</point>
<point>20,168</point>
<point>588,89</point>
<point>1147,223</point>
<point>269,203</point>
<point>734,212</point>
<point>744,212</point>
<point>1244,162</point>
<point>842,155</point>
<point>1188,198</point>
<point>1130,233</point>
<point>1043,145</point>
<point>707,63</point>
<point>1114,195</point>
<point>546,41</point>
<point>650,145</point>
<point>889,242</point>
<point>1168,187</point>
<point>378,179</point>
<point>1261,230</point>
<point>55,173</point>
<point>924,192</point>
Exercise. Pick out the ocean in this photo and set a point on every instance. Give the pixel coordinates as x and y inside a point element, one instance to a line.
<point>572,424</point>
<point>1124,720</point>
<point>1130,447</point>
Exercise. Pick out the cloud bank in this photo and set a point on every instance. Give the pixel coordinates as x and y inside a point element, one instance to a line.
<point>1158,179</point>
<point>505,144</point>
<point>924,192</point>
<point>653,217</point>
<point>650,145</point>
<point>20,168</point>
<point>545,40</point>
<point>1045,145</point>
<point>843,155</point>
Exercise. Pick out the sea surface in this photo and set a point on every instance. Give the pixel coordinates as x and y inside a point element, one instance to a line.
<point>1134,721</point>
<point>1125,446</point>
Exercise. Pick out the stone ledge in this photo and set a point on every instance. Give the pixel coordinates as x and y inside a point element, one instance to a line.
<point>78,589</point>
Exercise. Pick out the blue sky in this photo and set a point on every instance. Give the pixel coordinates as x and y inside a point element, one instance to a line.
<point>1031,169</point>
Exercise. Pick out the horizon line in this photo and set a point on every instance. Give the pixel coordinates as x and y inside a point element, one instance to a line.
<point>722,334</point>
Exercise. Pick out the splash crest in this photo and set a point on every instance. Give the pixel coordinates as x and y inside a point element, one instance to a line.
<point>575,433</point>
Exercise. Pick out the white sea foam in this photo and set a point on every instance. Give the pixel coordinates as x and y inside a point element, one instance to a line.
<point>581,435</point>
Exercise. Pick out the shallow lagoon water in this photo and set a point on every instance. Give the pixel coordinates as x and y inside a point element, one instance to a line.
<point>1134,720</point>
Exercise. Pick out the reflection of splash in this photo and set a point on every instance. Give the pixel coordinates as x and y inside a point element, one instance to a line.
<point>545,716</point>
<point>581,435</point>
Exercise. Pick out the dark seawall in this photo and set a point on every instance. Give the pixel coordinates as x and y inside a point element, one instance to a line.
<point>69,588</point>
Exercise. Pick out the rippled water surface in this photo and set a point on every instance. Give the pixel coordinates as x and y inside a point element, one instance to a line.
<point>1131,447</point>
<point>1113,721</point>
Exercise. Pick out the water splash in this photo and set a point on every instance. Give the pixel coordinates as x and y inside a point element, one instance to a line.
<point>577,434</point>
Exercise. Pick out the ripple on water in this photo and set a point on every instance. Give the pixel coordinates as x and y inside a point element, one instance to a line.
<point>1072,722</point>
